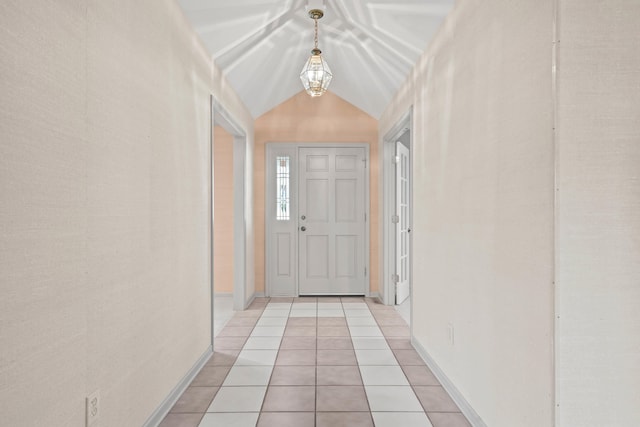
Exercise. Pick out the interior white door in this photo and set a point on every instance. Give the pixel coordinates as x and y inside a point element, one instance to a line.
<point>331,221</point>
<point>402,223</point>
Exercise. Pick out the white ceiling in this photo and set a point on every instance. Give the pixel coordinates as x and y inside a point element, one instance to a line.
<point>370,45</point>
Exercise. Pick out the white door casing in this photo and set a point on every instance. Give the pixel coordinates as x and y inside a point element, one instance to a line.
<point>402,222</point>
<point>332,222</point>
<point>339,245</point>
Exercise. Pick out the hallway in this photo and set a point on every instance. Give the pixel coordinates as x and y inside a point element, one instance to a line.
<point>323,362</point>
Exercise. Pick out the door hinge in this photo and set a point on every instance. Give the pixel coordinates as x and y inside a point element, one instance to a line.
<point>365,271</point>
<point>395,219</point>
<point>365,217</point>
<point>395,160</point>
<point>395,278</point>
<point>365,162</point>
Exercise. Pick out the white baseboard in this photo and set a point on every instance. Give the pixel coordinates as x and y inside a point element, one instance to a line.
<point>457,397</point>
<point>253,297</point>
<point>161,411</point>
<point>375,295</point>
<point>223,294</point>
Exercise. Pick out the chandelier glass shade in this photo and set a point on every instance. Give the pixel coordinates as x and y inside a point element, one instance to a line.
<point>316,74</point>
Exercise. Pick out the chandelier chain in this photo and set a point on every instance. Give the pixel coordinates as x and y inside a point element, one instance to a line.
<point>315,37</point>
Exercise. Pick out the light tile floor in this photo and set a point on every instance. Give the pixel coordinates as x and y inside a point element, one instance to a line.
<point>315,362</point>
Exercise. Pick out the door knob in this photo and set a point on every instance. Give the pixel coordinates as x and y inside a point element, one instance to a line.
<point>303,228</point>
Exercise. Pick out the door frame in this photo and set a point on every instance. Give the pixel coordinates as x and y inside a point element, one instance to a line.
<point>220,116</point>
<point>405,123</point>
<point>269,191</point>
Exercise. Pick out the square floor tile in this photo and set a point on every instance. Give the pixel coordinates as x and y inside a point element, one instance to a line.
<point>383,375</point>
<point>330,313</point>
<point>448,419</point>
<point>375,357</point>
<point>420,375</point>
<point>329,305</point>
<point>332,321</point>
<point>246,419</point>
<point>354,305</point>
<point>268,331</point>
<point>305,306</point>
<point>235,331</point>
<point>278,306</point>
<point>287,419</point>
<point>298,343</point>
<point>281,299</point>
<point>396,331</point>
<point>435,399</point>
<point>333,331</point>
<point>242,321</point>
<point>248,375</point>
<point>293,375</point>
<point>302,321</point>
<point>334,343</point>
<point>408,357</point>
<point>365,331</point>
<point>335,300</point>
<point>249,313</point>
<point>303,313</point>
<point>392,399</point>
<point>181,420</point>
<point>358,313</point>
<point>361,321</point>
<point>404,419</point>
<point>223,357</point>
<point>263,343</point>
<point>336,357</point>
<point>370,343</point>
<point>272,321</point>
<point>211,376</point>
<point>400,343</point>
<point>352,299</point>
<point>305,299</point>
<point>238,399</point>
<point>257,357</point>
<point>341,398</point>
<point>290,399</point>
<point>338,375</point>
<point>391,321</point>
<point>275,313</point>
<point>195,399</point>
<point>226,343</point>
<point>296,357</point>
<point>256,306</point>
<point>378,305</point>
<point>300,331</point>
<point>344,419</point>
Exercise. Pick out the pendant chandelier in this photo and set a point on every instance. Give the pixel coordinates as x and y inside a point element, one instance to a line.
<point>316,74</point>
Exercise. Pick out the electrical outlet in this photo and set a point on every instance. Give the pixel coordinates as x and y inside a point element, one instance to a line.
<point>451,334</point>
<point>93,408</point>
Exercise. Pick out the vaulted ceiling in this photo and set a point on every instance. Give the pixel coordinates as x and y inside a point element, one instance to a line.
<point>370,45</point>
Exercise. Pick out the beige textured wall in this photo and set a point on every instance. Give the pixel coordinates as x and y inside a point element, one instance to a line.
<point>305,119</point>
<point>483,206</point>
<point>223,211</point>
<point>104,188</point>
<point>598,285</point>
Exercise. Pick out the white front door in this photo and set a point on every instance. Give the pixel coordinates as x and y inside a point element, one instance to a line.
<point>331,221</point>
<point>402,222</point>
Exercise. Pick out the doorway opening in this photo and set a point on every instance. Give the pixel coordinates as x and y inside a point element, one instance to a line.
<point>397,201</point>
<point>228,213</point>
